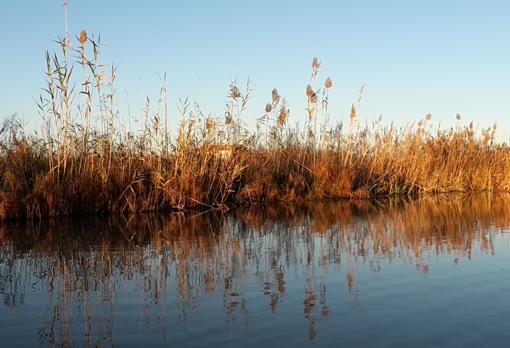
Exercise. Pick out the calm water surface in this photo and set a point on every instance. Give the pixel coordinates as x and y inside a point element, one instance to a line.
<point>434,272</point>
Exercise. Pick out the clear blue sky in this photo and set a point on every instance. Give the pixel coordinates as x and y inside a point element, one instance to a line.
<point>415,57</point>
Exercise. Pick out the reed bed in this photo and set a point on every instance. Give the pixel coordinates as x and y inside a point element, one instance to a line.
<point>87,160</point>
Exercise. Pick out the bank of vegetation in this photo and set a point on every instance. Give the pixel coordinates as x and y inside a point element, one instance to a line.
<point>87,159</point>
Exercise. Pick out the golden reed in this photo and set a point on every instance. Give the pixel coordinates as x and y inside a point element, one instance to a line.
<point>87,160</point>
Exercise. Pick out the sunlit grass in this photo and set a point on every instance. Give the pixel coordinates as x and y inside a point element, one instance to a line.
<point>87,160</point>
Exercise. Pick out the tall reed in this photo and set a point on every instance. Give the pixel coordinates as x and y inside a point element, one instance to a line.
<point>87,160</point>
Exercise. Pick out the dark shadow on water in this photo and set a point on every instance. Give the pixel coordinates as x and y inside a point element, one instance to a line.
<point>80,280</point>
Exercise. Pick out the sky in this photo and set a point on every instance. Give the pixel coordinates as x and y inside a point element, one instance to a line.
<point>414,57</point>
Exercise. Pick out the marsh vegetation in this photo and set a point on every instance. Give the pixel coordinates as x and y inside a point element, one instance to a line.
<point>87,159</point>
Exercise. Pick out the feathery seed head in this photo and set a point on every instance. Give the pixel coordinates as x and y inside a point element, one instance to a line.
<point>282,117</point>
<point>328,83</point>
<point>309,91</point>
<point>83,37</point>
<point>275,96</point>
<point>234,92</point>
<point>354,112</point>
<point>313,98</point>
<point>316,66</point>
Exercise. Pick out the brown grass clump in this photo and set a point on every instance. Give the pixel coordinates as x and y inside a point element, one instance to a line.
<point>87,161</point>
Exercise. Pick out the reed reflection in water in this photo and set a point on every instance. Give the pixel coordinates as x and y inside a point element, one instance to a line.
<point>322,274</point>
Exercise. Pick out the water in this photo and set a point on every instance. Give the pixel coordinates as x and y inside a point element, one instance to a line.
<point>433,272</point>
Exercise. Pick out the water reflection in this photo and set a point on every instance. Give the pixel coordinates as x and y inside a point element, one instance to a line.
<point>81,280</point>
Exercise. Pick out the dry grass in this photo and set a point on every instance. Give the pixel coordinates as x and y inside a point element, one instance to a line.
<point>87,161</point>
